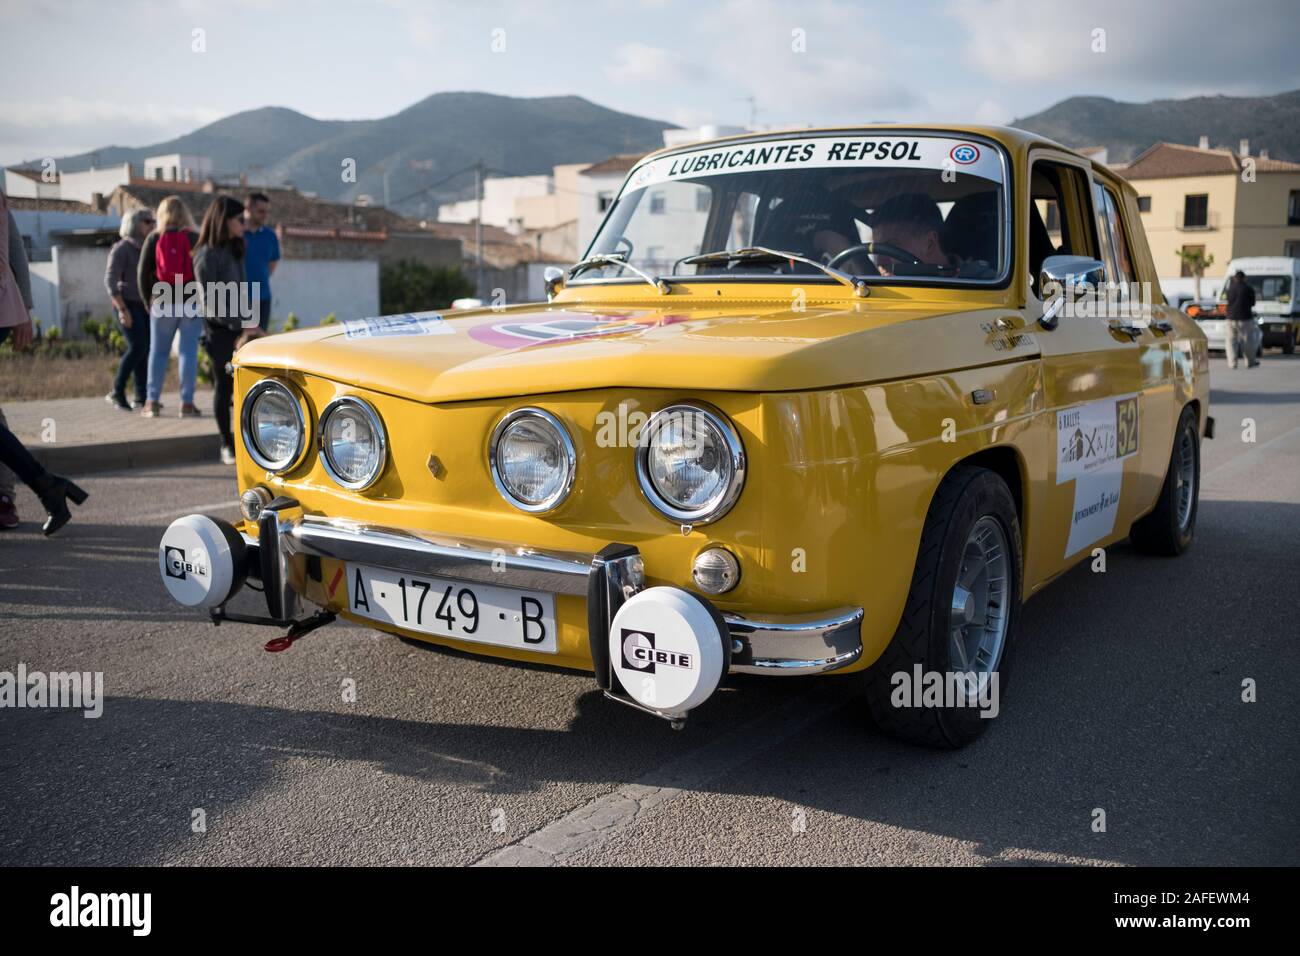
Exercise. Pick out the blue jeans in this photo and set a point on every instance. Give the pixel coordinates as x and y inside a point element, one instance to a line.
<point>136,360</point>
<point>163,329</point>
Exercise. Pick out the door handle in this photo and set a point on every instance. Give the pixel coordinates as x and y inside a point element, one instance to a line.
<point>1132,331</point>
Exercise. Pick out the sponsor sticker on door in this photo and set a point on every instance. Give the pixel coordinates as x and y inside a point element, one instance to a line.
<point>1092,442</point>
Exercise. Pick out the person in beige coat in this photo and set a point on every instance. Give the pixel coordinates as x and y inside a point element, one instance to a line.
<point>16,327</point>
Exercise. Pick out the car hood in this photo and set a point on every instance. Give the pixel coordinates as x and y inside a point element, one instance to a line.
<point>756,346</point>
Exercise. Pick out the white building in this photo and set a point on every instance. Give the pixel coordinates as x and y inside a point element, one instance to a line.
<point>698,134</point>
<point>32,184</point>
<point>178,168</point>
<point>83,186</point>
<point>500,195</point>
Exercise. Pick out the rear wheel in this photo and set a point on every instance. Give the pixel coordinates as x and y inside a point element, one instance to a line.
<point>959,620</point>
<point>1288,347</point>
<point>1169,529</point>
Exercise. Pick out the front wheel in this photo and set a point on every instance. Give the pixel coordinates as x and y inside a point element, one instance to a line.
<point>939,680</point>
<point>1169,529</point>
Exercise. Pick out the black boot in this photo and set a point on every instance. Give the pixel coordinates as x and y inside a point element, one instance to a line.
<point>54,493</point>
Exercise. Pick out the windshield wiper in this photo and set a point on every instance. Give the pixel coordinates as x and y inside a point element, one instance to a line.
<point>618,259</point>
<point>858,286</point>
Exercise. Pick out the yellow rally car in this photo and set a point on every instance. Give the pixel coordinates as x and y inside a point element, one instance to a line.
<point>817,402</point>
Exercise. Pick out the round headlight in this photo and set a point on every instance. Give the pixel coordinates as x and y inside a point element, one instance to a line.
<point>532,460</point>
<point>273,425</point>
<point>353,447</point>
<point>690,463</point>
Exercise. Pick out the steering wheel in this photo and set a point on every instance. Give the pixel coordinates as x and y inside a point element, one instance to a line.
<point>874,249</point>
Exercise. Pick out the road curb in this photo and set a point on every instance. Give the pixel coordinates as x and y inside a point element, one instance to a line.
<point>115,456</point>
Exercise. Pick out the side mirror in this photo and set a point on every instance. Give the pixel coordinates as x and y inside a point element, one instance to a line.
<point>1065,272</point>
<point>553,280</point>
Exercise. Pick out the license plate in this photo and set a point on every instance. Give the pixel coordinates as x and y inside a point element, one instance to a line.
<point>507,617</point>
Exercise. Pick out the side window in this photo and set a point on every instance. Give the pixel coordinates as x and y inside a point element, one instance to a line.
<point>1110,230</point>
<point>1057,217</point>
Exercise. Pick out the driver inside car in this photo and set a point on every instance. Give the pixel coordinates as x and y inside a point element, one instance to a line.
<point>912,222</point>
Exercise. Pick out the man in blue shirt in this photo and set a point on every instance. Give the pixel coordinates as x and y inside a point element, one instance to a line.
<point>261,253</point>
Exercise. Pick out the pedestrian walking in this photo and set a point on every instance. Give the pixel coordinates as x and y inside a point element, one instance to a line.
<point>1240,339</point>
<point>16,323</point>
<point>15,301</point>
<point>219,267</point>
<point>261,255</point>
<point>165,276</point>
<point>122,280</point>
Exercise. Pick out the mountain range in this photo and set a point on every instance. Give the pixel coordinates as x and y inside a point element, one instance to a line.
<point>415,149</point>
<point>1125,129</point>
<point>418,149</point>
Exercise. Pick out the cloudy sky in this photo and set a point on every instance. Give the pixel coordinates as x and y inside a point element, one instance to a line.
<point>79,76</point>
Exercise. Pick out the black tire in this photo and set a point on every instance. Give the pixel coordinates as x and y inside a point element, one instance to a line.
<point>1288,347</point>
<point>965,495</point>
<point>1160,532</point>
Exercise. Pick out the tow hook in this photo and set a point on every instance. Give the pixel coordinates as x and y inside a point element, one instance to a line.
<point>297,630</point>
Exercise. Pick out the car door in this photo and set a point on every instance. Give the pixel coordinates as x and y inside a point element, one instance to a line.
<point>1147,319</point>
<point>1093,381</point>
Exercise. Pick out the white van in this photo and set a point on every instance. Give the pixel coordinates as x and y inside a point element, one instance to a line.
<point>1275,280</point>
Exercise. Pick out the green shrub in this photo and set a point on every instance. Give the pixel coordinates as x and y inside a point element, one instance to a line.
<point>409,286</point>
<point>290,323</point>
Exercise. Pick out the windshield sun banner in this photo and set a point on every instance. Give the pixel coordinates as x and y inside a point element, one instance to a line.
<point>941,154</point>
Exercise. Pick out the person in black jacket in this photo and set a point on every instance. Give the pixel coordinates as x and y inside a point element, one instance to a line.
<point>1240,330</point>
<point>219,269</point>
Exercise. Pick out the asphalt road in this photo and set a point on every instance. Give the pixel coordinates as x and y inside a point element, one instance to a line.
<point>1126,697</point>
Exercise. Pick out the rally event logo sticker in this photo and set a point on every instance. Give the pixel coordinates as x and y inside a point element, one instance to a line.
<point>1092,442</point>
<point>392,326</point>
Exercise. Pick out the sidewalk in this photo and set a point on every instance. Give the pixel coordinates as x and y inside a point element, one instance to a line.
<point>79,435</point>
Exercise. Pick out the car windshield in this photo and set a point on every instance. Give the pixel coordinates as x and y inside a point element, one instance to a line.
<point>900,207</point>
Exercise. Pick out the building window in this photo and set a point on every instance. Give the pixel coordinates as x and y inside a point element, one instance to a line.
<point>1144,203</point>
<point>1291,249</point>
<point>1293,208</point>
<point>603,200</point>
<point>1186,271</point>
<point>658,203</point>
<point>703,199</point>
<point>1196,212</point>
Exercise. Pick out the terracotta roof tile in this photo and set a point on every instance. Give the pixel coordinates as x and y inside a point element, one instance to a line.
<point>32,174</point>
<point>1170,160</point>
<point>52,205</point>
<point>615,164</point>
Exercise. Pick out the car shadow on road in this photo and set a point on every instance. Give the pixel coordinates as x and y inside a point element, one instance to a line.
<point>1126,698</point>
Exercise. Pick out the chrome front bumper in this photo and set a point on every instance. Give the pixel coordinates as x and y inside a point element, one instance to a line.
<point>760,644</point>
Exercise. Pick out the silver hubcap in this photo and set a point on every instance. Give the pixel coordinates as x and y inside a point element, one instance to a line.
<point>979,611</point>
<point>1185,479</point>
